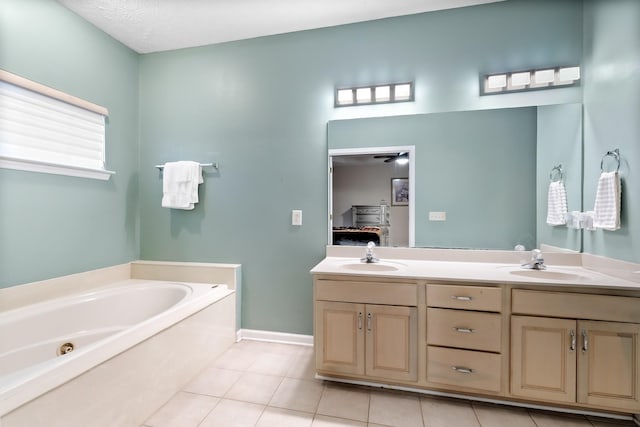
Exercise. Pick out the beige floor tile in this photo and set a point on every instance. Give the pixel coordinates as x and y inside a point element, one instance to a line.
<point>230,413</point>
<point>398,410</point>
<point>298,395</point>
<point>236,358</point>
<point>254,388</point>
<point>276,417</point>
<point>262,347</point>
<point>213,381</point>
<point>183,410</point>
<point>447,412</point>
<point>498,416</point>
<point>272,364</point>
<point>304,365</point>
<point>549,419</point>
<point>609,422</point>
<point>324,421</point>
<point>345,402</point>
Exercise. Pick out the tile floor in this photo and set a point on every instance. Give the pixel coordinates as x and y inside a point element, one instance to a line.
<point>267,384</point>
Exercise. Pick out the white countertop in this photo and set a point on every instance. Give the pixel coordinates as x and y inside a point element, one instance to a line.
<point>483,272</point>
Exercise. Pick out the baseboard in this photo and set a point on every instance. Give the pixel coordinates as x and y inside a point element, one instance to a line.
<point>279,337</point>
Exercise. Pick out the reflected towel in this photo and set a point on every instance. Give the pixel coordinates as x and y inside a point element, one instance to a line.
<point>607,206</point>
<point>556,204</point>
<point>180,184</point>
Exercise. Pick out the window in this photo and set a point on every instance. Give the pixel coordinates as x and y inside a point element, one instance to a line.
<point>44,130</point>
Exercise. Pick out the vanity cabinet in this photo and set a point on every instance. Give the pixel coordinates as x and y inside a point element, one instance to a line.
<point>355,336</point>
<point>464,337</point>
<point>577,359</point>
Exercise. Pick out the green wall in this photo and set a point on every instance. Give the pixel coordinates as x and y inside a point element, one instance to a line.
<point>53,225</point>
<point>474,165</point>
<point>559,142</point>
<point>611,116</point>
<point>259,107</point>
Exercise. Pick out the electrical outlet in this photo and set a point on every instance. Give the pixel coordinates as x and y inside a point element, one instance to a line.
<point>296,217</point>
<point>437,216</point>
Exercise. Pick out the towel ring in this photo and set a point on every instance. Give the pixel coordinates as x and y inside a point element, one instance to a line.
<point>558,172</point>
<point>615,154</point>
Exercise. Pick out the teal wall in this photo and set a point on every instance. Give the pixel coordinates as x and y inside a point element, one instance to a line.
<point>260,107</point>
<point>612,111</point>
<point>559,135</point>
<point>477,166</point>
<point>53,225</point>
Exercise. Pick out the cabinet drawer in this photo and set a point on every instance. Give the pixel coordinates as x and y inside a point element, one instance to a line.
<point>367,292</point>
<point>479,298</point>
<point>464,329</point>
<point>464,368</point>
<point>576,306</point>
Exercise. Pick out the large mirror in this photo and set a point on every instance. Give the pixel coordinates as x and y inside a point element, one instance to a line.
<point>480,178</point>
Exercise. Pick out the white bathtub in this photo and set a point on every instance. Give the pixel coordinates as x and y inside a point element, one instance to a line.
<point>103,326</point>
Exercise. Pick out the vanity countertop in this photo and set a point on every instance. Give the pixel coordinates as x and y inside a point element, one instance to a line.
<point>481,272</point>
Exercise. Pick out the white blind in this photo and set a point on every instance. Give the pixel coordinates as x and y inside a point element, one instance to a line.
<point>38,128</point>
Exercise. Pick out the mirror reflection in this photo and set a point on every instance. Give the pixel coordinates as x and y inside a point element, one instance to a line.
<point>481,177</point>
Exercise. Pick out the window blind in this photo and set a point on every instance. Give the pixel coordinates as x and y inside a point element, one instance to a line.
<point>37,129</point>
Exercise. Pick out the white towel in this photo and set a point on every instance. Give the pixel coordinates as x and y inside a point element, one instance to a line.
<point>556,204</point>
<point>607,206</point>
<point>180,184</point>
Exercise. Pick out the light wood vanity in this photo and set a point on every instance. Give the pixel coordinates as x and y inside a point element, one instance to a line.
<point>551,344</point>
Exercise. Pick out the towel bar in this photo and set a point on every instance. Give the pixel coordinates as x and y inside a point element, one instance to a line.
<point>615,154</point>
<point>213,165</point>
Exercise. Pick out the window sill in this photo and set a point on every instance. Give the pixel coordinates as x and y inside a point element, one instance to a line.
<point>44,167</point>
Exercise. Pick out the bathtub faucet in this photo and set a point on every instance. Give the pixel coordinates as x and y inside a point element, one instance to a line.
<point>368,255</point>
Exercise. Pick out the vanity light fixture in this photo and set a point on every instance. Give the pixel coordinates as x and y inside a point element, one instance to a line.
<point>375,94</point>
<point>517,81</point>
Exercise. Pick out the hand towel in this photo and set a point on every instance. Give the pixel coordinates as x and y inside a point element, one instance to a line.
<point>180,184</point>
<point>556,204</point>
<point>607,206</point>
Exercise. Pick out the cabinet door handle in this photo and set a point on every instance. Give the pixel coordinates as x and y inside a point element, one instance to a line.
<point>464,330</point>
<point>461,298</point>
<point>572,334</point>
<point>462,369</point>
<point>585,341</point>
<point>368,322</point>
<point>360,320</point>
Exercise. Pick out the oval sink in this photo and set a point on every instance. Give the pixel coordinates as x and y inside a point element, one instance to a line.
<point>378,266</point>
<point>546,274</point>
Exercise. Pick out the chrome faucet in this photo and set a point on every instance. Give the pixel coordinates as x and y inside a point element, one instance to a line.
<point>368,255</point>
<point>536,262</point>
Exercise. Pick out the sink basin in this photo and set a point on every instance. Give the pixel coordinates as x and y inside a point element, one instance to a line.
<point>378,266</point>
<point>547,274</point>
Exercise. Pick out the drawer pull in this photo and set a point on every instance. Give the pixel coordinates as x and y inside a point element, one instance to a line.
<point>461,298</point>
<point>572,334</point>
<point>464,330</point>
<point>368,322</point>
<point>462,370</point>
<point>585,341</point>
<point>359,320</point>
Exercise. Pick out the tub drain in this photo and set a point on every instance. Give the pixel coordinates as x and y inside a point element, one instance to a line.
<point>65,348</point>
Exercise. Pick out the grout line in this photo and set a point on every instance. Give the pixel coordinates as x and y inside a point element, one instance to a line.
<point>473,408</point>
<point>533,420</point>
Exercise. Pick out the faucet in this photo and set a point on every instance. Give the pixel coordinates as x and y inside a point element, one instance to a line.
<point>368,255</point>
<point>536,262</point>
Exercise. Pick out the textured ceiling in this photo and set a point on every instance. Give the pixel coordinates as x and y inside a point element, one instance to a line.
<point>157,25</point>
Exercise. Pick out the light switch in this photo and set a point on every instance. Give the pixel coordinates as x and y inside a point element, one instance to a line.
<point>437,216</point>
<point>296,217</point>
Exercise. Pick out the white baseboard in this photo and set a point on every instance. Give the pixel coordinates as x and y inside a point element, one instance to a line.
<point>279,337</point>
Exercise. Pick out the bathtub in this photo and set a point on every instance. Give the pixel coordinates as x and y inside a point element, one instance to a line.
<point>110,356</point>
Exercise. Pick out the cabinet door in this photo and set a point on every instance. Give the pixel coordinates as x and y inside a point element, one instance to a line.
<point>608,363</point>
<point>391,340</point>
<point>543,360</point>
<point>339,337</point>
